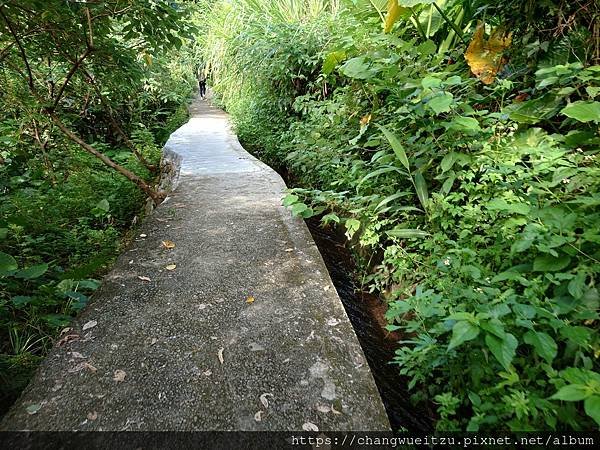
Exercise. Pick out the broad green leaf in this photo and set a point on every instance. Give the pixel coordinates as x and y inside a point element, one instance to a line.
<point>396,146</point>
<point>499,204</point>
<point>7,263</point>
<point>441,103</point>
<point>461,332</point>
<point>503,349</point>
<point>327,218</point>
<point>579,335</point>
<point>464,124</point>
<point>431,82</point>
<point>20,300</point>
<point>103,205</point>
<point>332,60</point>
<point>543,344</point>
<point>494,327</point>
<point>572,393</point>
<point>407,233</point>
<point>583,111</point>
<point>352,226</point>
<point>549,263</point>
<point>591,405</point>
<point>3,233</point>
<point>358,68</point>
<point>298,208</point>
<point>32,272</point>
<point>421,187</point>
<point>448,161</point>
<point>289,199</point>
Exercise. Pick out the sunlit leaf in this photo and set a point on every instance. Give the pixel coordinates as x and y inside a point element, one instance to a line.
<point>485,56</point>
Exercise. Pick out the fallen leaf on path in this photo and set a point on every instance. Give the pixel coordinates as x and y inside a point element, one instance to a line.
<point>143,235</point>
<point>309,426</point>
<point>326,288</point>
<point>92,415</point>
<point>263,399</point>
<point>323,408</point>
<point>168,244</point>
<point>84,365</point>
<point>335,411</point>
<point>289,249</point>
<point>153,341</point>
<point>65,330</point>
<point>250,299</point>
<point>171,267</point>
<point>68,338</point>
<point>32,409</point>
<point>119,375</point>
<point>144,278</point>
<point>220,355</point>
<point>90,324</point>
<point>77,355</point>
<point>258,416</point>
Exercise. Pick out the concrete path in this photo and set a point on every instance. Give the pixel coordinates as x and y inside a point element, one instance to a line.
<point>238,327</point>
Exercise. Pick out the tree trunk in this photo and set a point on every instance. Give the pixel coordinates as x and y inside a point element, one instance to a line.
<point>156,197</point>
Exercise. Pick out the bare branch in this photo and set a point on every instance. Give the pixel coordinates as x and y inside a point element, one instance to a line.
<point>21,49</point>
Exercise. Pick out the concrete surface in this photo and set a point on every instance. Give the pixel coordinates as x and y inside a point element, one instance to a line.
<point>245,333</point>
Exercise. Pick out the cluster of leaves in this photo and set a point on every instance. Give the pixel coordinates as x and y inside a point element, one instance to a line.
<point>473,203</point>
<point>86,87</point>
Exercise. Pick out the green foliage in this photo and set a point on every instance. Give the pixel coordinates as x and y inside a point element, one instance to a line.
<point>116,74</point>
<point>473,207</point>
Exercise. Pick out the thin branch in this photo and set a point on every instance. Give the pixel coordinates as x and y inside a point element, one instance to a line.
<point>70,75</point>
<point>21,49</point>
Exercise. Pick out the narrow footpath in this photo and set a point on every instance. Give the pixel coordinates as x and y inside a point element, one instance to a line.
<point>220,316</point>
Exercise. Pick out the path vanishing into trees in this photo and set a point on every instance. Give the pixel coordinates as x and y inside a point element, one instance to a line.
<point>220,316</point>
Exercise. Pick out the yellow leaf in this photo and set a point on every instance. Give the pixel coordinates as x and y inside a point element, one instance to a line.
<point>365,120</point>
<point>148,59</point>
<point>250,299</point>
<point>168,244</point>
<point>393,13</point>
<point>485,56</point>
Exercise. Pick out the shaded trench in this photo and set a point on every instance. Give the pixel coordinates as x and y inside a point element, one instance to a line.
<point>366,315</point>
<point>366,312</point>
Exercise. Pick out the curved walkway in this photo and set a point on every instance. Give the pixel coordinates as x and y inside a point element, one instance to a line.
<point>220,316</point>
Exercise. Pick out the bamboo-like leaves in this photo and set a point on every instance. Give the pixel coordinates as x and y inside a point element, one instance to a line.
<point>418,180</point>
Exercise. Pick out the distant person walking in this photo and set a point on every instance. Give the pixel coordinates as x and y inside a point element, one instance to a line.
<point>202,81</point>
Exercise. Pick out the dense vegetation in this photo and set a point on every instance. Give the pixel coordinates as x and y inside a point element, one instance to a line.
<point>89,92</point>
<point>457,142</point>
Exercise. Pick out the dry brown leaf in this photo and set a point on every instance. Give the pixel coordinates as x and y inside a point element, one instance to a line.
<point>77,355</point>
<point>365,120</point>
<point>220,355</point>
<point>168,244</point>
<point>92,415</point>
<point>90,324</point>
<point>89,367</point>
<point>250,299</point>
<point>485,56</point>
<point>171,267</point>
<point>66,339</point>
<point>144,278</point>
<point>119,375</point>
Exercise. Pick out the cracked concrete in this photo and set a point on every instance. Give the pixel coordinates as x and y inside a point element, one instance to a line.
<point>197,353</point>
